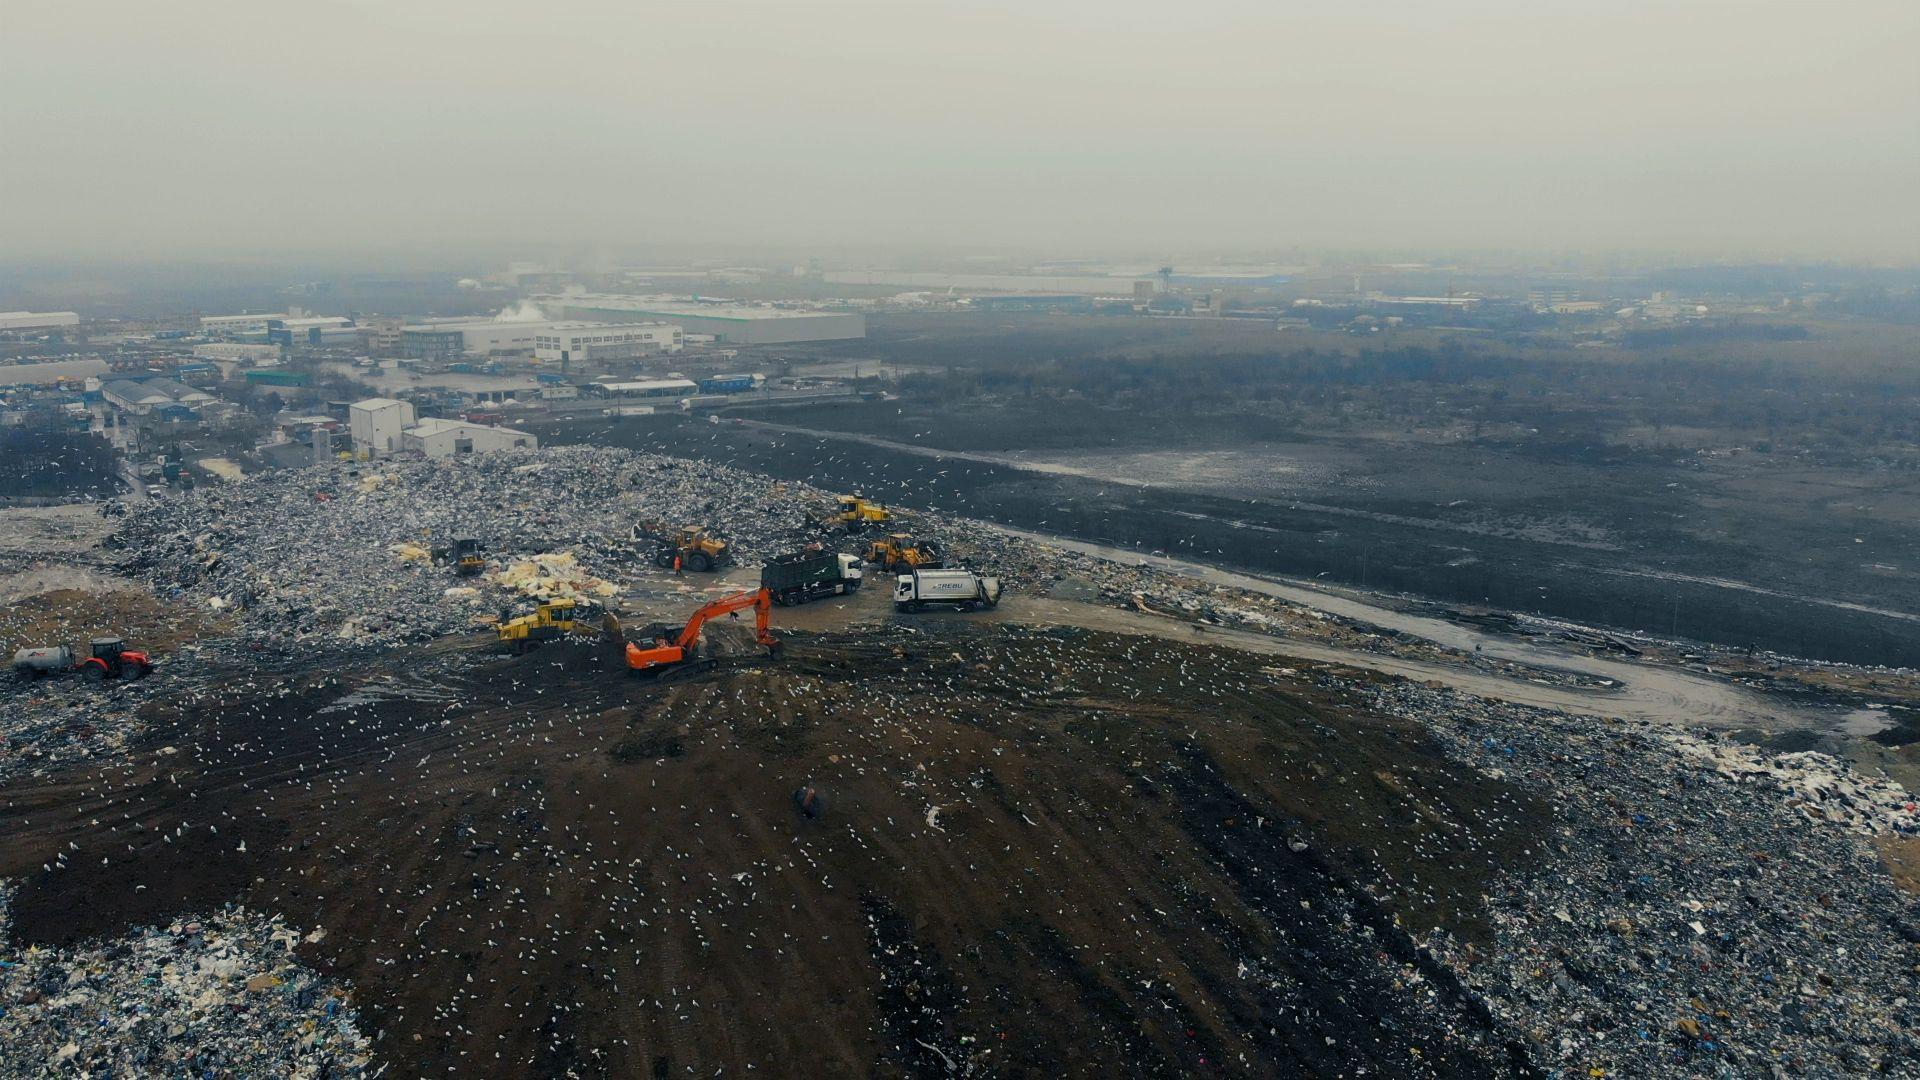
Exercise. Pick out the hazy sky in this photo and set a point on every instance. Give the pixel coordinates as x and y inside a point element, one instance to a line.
<point>1703,126</point>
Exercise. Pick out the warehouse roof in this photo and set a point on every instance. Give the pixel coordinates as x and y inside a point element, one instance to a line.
<point>438,425</point>
<point>669,308</point>
<point>30,374</point>
<point>641,386</point>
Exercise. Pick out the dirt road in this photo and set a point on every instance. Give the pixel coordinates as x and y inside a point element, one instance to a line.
<point>1643,691</point>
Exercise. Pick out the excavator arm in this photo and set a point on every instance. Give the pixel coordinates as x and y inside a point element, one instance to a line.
<point>641,658</point>
<point>759,599</point>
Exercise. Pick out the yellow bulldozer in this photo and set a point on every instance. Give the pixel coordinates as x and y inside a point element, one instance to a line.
<point>899,552</point>
<point>856,514</point>
<point>552,619</point>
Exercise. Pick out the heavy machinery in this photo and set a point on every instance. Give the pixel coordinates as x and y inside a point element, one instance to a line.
<point>108,658</point>
<point>467,560</point>
<point>900,552</point>
<point>696,546</point>
<point>962,589</point>
<point>552,619</point>
<point>856,514</point>
<point>663,648</point>
<point>810,575</point>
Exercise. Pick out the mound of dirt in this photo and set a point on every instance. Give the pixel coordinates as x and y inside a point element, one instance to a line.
<point>73,616</point>
<point>1031,853</point>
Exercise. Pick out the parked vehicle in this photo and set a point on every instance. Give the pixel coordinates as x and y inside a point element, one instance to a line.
<point>107,658</point>
<point>960,589</point>
<point>805,575</point>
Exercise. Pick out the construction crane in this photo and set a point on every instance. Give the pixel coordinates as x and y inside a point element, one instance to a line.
<point>667,647</point>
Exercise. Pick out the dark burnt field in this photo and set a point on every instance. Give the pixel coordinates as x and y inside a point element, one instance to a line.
<point>1762,559</point>
<point>1041,853</point>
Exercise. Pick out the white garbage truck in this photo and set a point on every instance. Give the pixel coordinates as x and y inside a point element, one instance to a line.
<point>960,589</point>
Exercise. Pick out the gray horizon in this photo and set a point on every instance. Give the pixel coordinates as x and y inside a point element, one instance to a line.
<point>1715,128</point>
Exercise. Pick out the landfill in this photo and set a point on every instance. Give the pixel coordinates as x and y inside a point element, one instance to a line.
<point>221,995</point>
<point>1695,905</point>
<point>1702,910</point>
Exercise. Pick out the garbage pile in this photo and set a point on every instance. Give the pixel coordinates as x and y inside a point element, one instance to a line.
<point>221,995</point>
<point>1681,923</point>
<point>550,575</point>
<point>341,555</point>
<point>57,722</point>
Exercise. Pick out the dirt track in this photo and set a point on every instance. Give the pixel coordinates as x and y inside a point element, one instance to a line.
<point>1135,857</point>
<point>1643,691</point>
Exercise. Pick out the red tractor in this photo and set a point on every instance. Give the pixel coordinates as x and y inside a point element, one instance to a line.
<point>112,659</point>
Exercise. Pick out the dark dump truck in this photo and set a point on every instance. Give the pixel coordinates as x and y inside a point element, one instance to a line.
<point>804,575</point>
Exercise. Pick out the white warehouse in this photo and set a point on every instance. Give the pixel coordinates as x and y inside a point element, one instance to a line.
<point>37,320</point>
<point>378,425</point>
<point>574,342</point>
<point>227,325</point>
<point>733,323</point>
<point>445,438</point>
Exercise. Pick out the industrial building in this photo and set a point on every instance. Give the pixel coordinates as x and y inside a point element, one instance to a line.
<point>378,424</point>
<point>13,321</point>
<point>143,397</point>
<point>576,342</point>
<point>381,334</point>
<point>237,351</point>
<point>736,324</point>
<point>454,338</point>
<point>311,330</point>
<point>53,371</point>
<point>645,388</point>
<point>235,325</point>
<point>437,438</point>
<point>432,343</point>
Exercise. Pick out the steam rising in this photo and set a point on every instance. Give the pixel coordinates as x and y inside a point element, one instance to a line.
<point>524,311</point>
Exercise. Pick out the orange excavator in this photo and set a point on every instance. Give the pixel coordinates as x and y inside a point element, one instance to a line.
<point>663,648</point>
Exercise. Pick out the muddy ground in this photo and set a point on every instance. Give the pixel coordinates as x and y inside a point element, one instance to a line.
<point>1743,553</point>
<point>1040,852</point>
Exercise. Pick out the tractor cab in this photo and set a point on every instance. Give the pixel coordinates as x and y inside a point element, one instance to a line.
<point>109,658</point>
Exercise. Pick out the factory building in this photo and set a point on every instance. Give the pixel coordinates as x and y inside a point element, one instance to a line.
<point>568,343</point>
<point>452,339</point>
<point>237,351</point>
<point>378,425</point>
<point>645,388</point>
<point>13,321</point>
<point>380,335</point>
<point>143,397</point>
<point>438,438</point>
<point>236,325</point>
<point>311,330</point>
<point>735,324</point>
<point>432,343</point>
<point>53,371</point>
